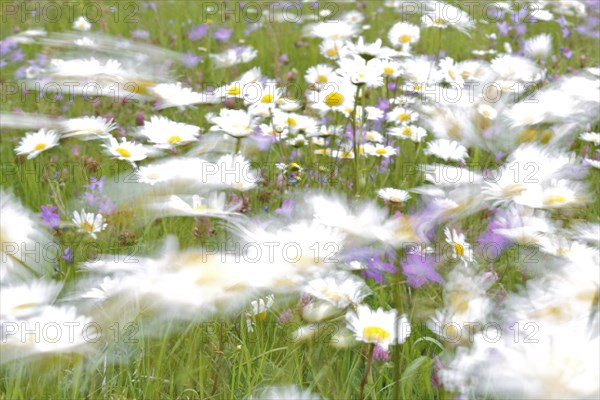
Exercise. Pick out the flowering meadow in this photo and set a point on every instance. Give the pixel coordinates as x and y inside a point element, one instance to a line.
<point>300,199</point>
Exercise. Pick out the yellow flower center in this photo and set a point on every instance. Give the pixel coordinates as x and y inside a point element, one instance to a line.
<point>459,301</point>
<point>174,139</point>
<point>546,136</point>
<point>513,190</point>
<point>388,71</point>
<point>267,98</point>
<point>334,99</point>
<point>381,151</point>
<point>452,74</point>
<point>322,79</point>
<point>39,147</point>
<point>375,334</point>
<point>555,200</point>
<point>460,249</point>
<point>403,117</point>
<point>417,88</point>
<point>346,154</point>
<point>332,52</point>
<point>439,21</point>
<point>123,152</point>
<point>407,131</point>
<point>234,91</point>
<point>291,121</point>
<point>527,135</point>
<point>404,39</point>
<point>86,226</point>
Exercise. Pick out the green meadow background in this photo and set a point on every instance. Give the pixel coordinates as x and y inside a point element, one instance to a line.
<point>219,359</point>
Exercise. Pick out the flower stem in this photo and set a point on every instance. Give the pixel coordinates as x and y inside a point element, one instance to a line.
<point>355,141</point>
<point>367,370</point>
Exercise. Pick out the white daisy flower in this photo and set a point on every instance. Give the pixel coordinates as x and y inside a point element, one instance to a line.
<point>592,163</point>
<point>258,309</point>
<point>152,174</point>
<point>592,137</point>
<point>232,57</point>
<point>374,136</point>
<point>319,74</point>
<point>236,123</point>
<point>412,132</point>
<point>175,95</point>
<point>460,248</point>
<point>451,71</point>
<point>331,49</point>
<point>445,15</point>
<point>487,111</point>
<point>81,24</point>
<point>20,230</point>
<point>18,301</point>
<point>340,290</point>
<point>401,115</point>
<point>403,34</point>
<point>393,195</point>
<point>361,72</point>
<point>373,113</point>
<point>35,142</point>
<point>51,342</point>
<point>291,392</point>
<point>237,172</point>
<point>447,150</point>
<point>214,206</point>
<point>367,51</point>
<point>344,154</point>
<point>88,222</point>
<point>538,47</point>
<point>332,30</point>
<point>390,68</point>
<point>126,150</point>
<point>88,127</point>
<point>165,133</point>
<point>379,327</point>
<point>379,150</point>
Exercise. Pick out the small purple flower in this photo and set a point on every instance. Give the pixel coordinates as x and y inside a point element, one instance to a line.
<point>383,104</point>
<point>286,208</point>
<point>17,56</point>
<point>566,52</point>
<point>490,239</point>
<point>521,29</point>
<point>150,5</point>
<point>68,255</point>
<point>222,34</point>
<point>419,269</point>
<point>106,206</point>
<point>503,28</point>
<point>50,217</point>
<point>6,46</point>
<point>198,32</point>
<point>190,60</point>
<point>376,267</point>
<point>139,118</point>
<point>381,354</point>
<point>284,59</point>
<point>96,184</point>
<point>140,34</point>
<point>285,316</point>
